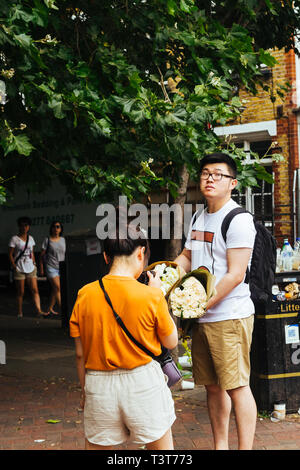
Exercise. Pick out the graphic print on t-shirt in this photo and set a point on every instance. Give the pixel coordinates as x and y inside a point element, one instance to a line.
<point>202,236</point>
<point>207,238</point>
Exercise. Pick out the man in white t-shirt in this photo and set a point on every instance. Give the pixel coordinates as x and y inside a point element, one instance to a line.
<point>221,339</point>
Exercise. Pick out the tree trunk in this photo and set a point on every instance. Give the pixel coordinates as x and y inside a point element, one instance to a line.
<point>174,247</point>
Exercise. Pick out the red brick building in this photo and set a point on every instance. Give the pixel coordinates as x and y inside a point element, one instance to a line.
<point>267,126</point>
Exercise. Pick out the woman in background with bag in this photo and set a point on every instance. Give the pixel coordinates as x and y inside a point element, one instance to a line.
<point>125,394</point>
<point>22,260</point>
<point>53,251</point>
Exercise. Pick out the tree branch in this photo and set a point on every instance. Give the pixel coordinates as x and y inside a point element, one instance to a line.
<point>163,86</point>
<point>72,172</point>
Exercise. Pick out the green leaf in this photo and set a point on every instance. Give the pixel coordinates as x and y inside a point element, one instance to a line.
<point>50,4</point>
<point>18,143</point>
<point>56,104</point>
<point>24,40</point>
<point>172,7</point>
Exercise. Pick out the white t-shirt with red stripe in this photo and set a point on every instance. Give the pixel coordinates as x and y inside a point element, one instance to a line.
<point>208,249</point>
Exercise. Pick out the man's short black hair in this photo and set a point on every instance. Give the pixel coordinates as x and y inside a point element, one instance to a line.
<point>220,157</point>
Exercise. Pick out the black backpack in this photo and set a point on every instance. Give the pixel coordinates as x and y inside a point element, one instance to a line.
<point>261,275</point>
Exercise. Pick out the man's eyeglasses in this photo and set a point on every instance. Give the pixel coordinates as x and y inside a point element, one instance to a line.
<point>56,226</point>
<point>216,176</point>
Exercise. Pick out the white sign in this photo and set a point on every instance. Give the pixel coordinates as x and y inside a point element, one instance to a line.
<point>93,246</point>
<point>291,334</point>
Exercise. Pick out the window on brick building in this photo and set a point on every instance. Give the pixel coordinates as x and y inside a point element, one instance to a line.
<point>258,199</point>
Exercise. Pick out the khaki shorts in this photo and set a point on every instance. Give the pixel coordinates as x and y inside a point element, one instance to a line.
<point>221,353</point>
<point>123,405</point>
<point>18,276</point>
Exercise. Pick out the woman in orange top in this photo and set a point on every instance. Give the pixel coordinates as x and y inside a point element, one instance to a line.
<point>125,394</point>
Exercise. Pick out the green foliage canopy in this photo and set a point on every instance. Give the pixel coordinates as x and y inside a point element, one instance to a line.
<point>87,88</point>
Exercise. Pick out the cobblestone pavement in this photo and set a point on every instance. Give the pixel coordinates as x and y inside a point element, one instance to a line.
<point>38,414</point>
<point>39,397</point>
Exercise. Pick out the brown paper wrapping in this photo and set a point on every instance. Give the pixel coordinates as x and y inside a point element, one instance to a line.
<point>179,269</point>
<point>207,279</point>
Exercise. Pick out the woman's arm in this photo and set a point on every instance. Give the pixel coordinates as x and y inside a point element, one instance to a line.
<point>11,256</point>
<point>42,255</point>
<point>80,364</point>
<point>171,341</point>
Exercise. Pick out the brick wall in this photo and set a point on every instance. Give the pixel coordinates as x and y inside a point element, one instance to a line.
<point>261,108</point>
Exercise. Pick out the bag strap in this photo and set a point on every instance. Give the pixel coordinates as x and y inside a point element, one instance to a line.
<point>22,253</point>
<point>120,322</point>
<point>228,218</point>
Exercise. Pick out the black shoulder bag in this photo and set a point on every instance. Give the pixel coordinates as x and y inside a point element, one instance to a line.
<point>165,360</point>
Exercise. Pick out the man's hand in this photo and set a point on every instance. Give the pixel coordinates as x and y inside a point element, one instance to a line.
<point>184,260</point>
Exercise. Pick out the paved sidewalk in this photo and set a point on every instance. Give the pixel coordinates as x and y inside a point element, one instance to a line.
<point>39,383</point>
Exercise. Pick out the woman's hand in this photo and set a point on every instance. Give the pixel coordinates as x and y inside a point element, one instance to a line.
<point>154,281</point>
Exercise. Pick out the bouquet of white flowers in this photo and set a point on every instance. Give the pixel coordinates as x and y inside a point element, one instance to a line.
<point>189,296</point>
<point>169,273</point>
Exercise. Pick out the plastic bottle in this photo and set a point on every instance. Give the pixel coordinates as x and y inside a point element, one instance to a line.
<point>297,244</point>
<point>287,256</point>
<point>296,258</point>
<point>278,261</point>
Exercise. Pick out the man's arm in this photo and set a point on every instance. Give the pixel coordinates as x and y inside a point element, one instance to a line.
<point>237,261</point>
<point>184,260</point>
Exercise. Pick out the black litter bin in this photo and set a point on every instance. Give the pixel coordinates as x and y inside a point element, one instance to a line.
<point>80,267</point>
<point>275,352</point>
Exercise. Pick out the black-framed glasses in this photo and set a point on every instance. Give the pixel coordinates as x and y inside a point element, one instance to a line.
<point>57,226</point>
<point>216,175</point>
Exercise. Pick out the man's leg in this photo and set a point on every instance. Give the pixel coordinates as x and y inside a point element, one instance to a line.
<point>219,408</point>
<point>245,414</point>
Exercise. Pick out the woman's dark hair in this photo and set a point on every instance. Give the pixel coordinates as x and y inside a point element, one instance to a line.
<point>52,226</point>
<point>23,220</point>
<point>124,241</point>
<point>219,157</point>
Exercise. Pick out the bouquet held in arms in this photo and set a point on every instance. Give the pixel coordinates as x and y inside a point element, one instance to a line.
<point>189,296</point>
<point>168,272</point>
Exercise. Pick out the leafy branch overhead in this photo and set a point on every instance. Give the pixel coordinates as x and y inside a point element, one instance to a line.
<point>117,96</point>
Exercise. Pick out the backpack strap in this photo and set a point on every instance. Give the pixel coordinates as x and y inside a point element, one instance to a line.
<point>225,226</point>
<point>228,218</point>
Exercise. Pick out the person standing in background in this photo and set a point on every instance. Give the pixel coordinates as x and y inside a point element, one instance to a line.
<point>22,260</point>
<point>53,251</point>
